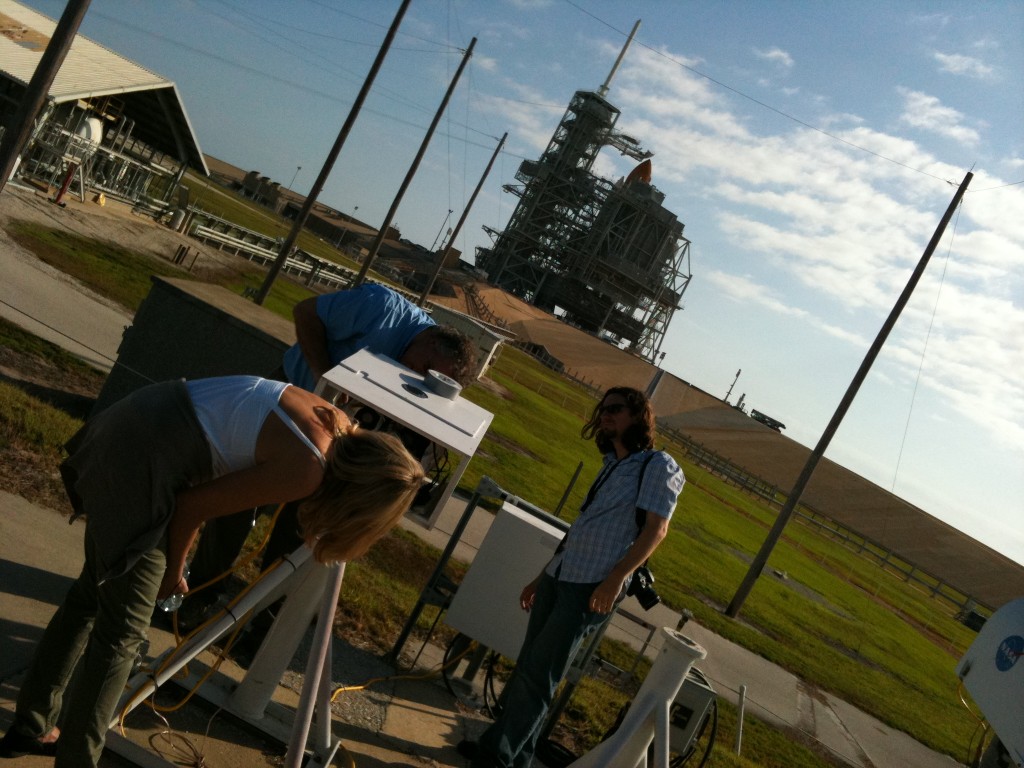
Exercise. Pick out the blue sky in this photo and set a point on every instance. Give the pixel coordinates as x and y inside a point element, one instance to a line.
<point>809,148</point>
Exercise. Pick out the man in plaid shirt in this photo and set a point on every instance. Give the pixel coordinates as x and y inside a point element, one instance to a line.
<point>590,572</point>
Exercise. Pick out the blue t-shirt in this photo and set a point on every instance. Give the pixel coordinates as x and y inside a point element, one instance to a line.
<point>606,529</point>
<point>370,316</point>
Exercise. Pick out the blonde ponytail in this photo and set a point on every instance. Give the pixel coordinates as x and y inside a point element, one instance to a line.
<point>369,482</point>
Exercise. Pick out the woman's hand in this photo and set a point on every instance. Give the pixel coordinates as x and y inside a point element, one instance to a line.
<point>173,583</point>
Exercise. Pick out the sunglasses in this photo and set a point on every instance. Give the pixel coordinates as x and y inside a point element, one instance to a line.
<point>612,409</point>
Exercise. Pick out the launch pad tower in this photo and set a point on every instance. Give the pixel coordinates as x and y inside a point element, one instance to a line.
<point>608,255</point>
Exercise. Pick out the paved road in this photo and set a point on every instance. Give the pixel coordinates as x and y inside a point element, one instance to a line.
<point>52,306</point>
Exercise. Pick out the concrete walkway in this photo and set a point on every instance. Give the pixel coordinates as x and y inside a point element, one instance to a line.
<point>49,304</point>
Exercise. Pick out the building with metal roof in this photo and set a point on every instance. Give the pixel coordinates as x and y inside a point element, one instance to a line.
<point>108,123</point>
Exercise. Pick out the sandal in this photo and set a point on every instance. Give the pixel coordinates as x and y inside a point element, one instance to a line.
<point>16,744</point>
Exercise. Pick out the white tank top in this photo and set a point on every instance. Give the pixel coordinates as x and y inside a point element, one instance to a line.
<point>231,410</point>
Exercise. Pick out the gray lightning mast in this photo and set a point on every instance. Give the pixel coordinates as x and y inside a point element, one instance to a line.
<point>608,255</point>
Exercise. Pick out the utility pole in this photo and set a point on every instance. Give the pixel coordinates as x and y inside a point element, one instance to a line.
<point>19,129</point>
<point>443,257</point>
<point>318,185</point>
<point>412,169</point>
<point>432,247</point>
<point>786,512</point>
<point>733,384</point>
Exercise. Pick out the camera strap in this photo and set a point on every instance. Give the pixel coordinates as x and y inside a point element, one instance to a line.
<point>641,516</point>
<point>602,478</point>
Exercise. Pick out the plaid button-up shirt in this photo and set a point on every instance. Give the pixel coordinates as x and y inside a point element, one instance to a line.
<point>606,527</point>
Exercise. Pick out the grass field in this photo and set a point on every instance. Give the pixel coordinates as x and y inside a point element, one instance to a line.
<point>830,617</point>
<point>835,620</point>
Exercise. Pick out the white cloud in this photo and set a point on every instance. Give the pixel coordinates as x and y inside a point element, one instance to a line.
<point>986,44</point>
<point>486,63</point>
<point>775,56</point>
<point>996,210</point>
<point>746,290</point>
<point>498,31</point>
<point>859,341</point>
<point>661,74</point>
<point>927,113</point>
<point>958,64</point>
<point>840,119</point>
<point>933,19</point>
<point>529,5</point>
<point>749,291</point>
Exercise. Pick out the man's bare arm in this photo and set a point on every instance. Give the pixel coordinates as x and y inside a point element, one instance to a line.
<point>312,337</point>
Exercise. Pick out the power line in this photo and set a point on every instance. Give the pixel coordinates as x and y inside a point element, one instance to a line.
<point>292,83</point>
<point>248,13</point>
<point>999,186</point>
<point>327,61</point>
<point>331,8</point>
<point>924,350</point>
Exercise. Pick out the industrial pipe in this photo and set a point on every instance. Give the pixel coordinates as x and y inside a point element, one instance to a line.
<point>648,717</point>
<point>192,647</point>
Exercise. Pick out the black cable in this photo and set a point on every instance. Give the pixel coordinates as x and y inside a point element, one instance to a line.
<point>714,733</point>
<point>445,670</point>
<point>491,700</point>
<point>491,707</point>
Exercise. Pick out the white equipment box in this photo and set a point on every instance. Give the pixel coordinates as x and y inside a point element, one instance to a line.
<point>402,396</point>
<point>993,673</point>
<point>486,605</point>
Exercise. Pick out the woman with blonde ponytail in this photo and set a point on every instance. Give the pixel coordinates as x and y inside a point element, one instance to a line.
<point>146,474</point>
<point>347,514</point>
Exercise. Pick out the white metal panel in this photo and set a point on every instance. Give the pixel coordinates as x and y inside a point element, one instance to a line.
<point>400,394</point>
<point>486,605</point>
<point>993,673</point>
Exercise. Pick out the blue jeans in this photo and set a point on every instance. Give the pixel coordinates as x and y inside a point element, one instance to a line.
<point>559,621</point>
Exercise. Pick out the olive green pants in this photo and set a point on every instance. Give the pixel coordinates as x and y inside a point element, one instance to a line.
<point>101,625</point>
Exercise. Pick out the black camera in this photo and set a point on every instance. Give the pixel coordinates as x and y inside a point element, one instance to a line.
<point>641,587</point>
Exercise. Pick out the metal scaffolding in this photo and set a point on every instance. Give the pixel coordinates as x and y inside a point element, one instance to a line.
<point>120,167</point>
<point>627,278</point>
<point>608,256</point>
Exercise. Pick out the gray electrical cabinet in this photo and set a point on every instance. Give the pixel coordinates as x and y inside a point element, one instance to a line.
<point>689,712</point>
<point>486,605</point>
